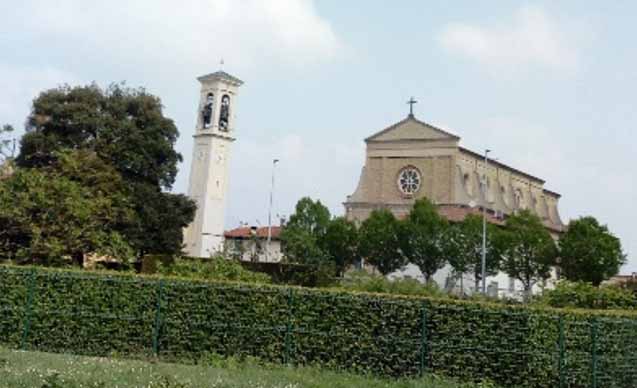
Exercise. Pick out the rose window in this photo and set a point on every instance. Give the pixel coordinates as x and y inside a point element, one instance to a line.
<point>409,180</point>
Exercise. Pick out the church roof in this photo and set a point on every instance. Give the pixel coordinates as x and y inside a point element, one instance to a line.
<point>424,128</point>
<point>502,165</point>
<point>220,75</point>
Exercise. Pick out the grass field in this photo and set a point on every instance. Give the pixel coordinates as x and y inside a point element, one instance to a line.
<point>45,370</point>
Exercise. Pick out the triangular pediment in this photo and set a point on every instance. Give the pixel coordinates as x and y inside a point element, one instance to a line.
<point>411,129</point>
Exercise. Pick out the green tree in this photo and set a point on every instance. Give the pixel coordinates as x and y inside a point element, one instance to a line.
<point>125,128</point>
<point>589,252</point>
<point>465,239</point>
<point>341,243</point>
<point>380,241</point>
<point>303,236</point>
<point>425,238</point>
<point>52,217</point>
<point>528,250</point>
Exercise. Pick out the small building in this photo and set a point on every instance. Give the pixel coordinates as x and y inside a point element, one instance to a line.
<point>250,243</point>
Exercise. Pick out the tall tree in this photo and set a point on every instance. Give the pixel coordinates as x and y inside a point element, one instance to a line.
<point>590,252</point>
<point>125,128</point>
<point>466,240</point>
<point>528,250</point>
<point>304,234</point>
<point>380,241</point>
<point>341,243</point>
<point>58,214</point>
<point>425,236</point>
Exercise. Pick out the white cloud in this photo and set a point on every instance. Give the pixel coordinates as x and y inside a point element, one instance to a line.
<point>531,38</point>
<point>164,33</point>
<point>162,44</point>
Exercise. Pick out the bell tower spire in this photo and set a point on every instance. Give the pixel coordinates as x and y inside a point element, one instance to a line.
<point>214,134</point>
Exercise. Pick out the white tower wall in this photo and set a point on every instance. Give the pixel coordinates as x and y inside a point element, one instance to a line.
<point>209,169</point>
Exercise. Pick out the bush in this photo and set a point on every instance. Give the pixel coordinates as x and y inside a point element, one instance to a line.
<point>305,275</point>
<point>366,282</point>
<point>586,296</point>
<point>183,319</point>
<point>215,268</point>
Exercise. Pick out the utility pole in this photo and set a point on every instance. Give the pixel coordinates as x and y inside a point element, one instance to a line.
<point>267,249</point>
<point>484,223</point>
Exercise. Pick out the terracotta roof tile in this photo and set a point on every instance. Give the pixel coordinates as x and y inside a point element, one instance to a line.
<point>247,232</point>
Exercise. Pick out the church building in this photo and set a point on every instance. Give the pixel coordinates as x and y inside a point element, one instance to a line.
<point>412,159</point>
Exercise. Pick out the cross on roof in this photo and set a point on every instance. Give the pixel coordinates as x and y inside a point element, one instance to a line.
<point>411,103</point>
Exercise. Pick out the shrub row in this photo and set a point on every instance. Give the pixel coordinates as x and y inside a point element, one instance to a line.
<point>179,319</point>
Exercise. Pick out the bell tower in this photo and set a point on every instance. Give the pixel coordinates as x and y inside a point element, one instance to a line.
<point>208,183</point>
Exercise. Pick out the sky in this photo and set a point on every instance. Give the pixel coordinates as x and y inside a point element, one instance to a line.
<point>547,86</point>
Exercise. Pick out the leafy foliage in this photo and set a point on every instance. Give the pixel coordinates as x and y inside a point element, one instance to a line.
<point>58,214</point>
<point>160,220</point>
<point>388,335</point>
<point>365,282</point>
<point>380,241</point>
<point>586,296</point>
<point>425,238</point>
<point>303,236</point>
<point>528,251</point>
<point>124,126</point>
<point>215,268</point>
<point>590,252</point>
<point>126,129</point>
<point>465,239</point>
<point>341,243</point>
<point>312,238</point>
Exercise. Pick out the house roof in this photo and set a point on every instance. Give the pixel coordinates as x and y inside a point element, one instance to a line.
<point>246,232</point>
<point>220,75</point>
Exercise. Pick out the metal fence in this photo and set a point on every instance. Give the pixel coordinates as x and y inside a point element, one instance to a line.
<point>175,320</point>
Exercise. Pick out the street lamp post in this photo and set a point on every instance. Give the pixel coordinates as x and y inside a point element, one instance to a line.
<point>484,224</point>
<point>274,162</point>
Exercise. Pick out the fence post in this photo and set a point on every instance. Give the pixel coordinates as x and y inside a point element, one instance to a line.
<point>157,326</point>
<point>288,329</point>
<point>28,310</point>
<point>562,350</point>
<point>423,339</point>
<point>594,353</point>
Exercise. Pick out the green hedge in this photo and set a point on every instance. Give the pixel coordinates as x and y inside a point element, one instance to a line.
<point>177,319</point>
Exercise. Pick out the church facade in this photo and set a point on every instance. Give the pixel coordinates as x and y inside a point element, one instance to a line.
<point>413,159</point>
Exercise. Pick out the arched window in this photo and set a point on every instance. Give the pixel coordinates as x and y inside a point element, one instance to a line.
<point>518,199</point>
<point>206,113</point>
<point>224,114</point>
